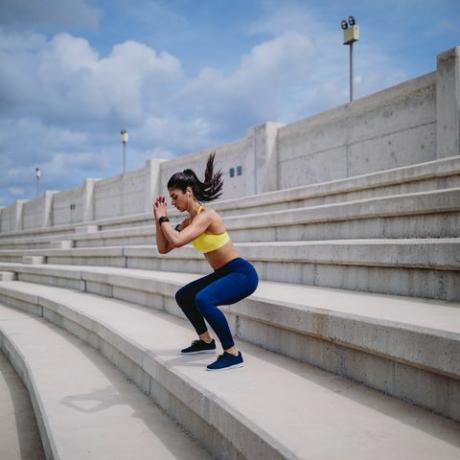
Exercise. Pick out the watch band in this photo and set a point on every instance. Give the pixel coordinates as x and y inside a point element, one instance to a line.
<point>163,219</point>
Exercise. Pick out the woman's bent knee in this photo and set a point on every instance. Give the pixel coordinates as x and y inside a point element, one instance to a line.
<point>181,296</point>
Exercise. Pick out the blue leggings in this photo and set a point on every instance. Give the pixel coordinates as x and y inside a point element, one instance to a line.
<point>228,284</point>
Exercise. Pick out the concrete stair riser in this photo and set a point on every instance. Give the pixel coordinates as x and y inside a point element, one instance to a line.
<point>439,175</point>
<point>17,361</point>
<point>206,419</point>
<point>419,215</point>
<point>426,226</point>
<point>383,356</point>
<point>433,391</point>
<point>68,430</point>
<point>436,175</point>
<point>423,269</point>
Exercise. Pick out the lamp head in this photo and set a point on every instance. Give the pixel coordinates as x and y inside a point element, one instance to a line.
<point>344,25</point>
<point>123,136</point>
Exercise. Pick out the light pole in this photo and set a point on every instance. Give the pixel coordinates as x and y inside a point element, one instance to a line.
<point>350,35</point>
<point>124,140</point>
<point>38,173</point>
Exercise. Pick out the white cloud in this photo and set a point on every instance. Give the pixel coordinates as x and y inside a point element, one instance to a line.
<point>66,78</point>
<point>63,103</point>
<point>254,92</point>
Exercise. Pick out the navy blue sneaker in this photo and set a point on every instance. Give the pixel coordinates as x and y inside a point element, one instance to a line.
<point>200,346</point>
<point>226,361</point>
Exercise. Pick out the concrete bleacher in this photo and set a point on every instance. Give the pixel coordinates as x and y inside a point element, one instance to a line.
<point>135,229</point>
<point>275,407</point>
<point>357,311</point>
<point>351,341</point>
<point>397,243</point>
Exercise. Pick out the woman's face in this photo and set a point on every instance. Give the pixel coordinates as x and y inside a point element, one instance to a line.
<point>178,199</point>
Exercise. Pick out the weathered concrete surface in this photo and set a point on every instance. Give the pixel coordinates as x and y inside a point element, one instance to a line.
<point>19,435</point>
<point>439,174</point>
<point>420,267</point>
<point>86,408</point>
<point>272,408</point>
<point>385,342</point>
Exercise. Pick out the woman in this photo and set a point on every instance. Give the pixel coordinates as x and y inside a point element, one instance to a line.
<point>233,279</point>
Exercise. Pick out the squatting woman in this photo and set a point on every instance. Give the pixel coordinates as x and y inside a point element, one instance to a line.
<point>233,278</point>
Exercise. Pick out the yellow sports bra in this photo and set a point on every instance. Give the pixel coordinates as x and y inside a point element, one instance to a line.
<point>207,242</point>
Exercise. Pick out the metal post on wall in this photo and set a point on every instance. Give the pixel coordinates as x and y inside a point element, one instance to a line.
<point>350,35</point>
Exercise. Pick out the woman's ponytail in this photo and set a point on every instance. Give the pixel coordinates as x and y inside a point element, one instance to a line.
<point>208,190</point>
<point>213,182</point>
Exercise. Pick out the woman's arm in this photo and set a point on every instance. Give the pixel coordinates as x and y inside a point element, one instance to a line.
<point>163,245</point>
<point>177,239</point>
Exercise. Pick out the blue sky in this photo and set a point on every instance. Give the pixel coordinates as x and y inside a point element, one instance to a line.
<point>183,75</point>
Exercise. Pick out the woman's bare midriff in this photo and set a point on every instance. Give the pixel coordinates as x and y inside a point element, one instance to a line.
<point>222,256</point>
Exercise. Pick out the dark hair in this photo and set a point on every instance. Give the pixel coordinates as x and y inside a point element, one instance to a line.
<point>208,190</point>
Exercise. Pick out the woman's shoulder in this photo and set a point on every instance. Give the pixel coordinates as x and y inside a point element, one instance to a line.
<point>216,224</point>
<point>211,213</point>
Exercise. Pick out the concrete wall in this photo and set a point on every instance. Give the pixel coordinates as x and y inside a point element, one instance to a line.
<point>125,194</point>
<point>115,196</point>
<point>37,213</point>
<point>411,123</point>
<point>11,217</point>
<point>67,207</point>
<point>390,129</point>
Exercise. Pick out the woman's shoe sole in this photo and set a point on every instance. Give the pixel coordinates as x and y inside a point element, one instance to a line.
<point>196,352</point>
<point>226,368</point>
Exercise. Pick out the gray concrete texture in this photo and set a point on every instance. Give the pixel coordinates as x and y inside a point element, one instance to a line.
<point>423,267</point>
<point>249,414</point>
<point>394,337</point>
<point>432,214</point>
<point>86,410</point>
<point>20,438</point>
<point>435,175</point>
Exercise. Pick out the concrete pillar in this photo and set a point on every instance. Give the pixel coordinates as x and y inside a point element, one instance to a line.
<point>266,169</point>
<point>87,200</point>
<point>152,182</point>
<point>448,103</point>
<point>47,217</point>
<point>18,215</point>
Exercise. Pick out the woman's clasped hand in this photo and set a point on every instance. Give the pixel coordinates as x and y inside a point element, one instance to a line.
<point>160,207</point>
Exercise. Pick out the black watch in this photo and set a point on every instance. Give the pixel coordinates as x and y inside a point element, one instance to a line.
<point>163,219</point>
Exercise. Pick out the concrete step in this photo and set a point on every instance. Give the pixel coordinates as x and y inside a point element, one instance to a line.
<point>430,176</point>
<point>7,276</point>
<point>416,267</point>
<point>259,411</point>
<point>420,215</point>
<point>20,438</point>
<point>385,342</point>
<point>435,214</point>
<point>85,407</point>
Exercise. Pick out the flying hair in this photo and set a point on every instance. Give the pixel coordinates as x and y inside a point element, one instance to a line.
<point>208,190</point>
